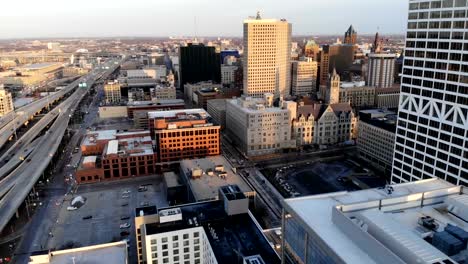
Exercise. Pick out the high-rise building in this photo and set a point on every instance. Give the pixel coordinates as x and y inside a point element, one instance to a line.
<point>267,55</point>
<point>6,101</point>
<point>337,56</point>
<point>304,77</point>
<point>350,36</point>
<point>432,138</point>
<point>312,50</point>
<point>112,92</point>
<point>228,74</point>
<point>199,63</point>
<point>381,69</point>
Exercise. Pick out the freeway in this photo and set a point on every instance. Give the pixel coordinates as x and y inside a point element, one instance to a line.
<point>15,187</point>
<point>23,114</point>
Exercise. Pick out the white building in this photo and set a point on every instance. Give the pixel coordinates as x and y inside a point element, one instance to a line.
<point>304,77</point>
<point>6,101</point>
<point>432,138</point>
<point>228,74</point>
<point>258,127</point>
<point>54,46</point>
<point>163,92</point>
<point>381,70</point>
<point>418,222</point>
<point>191,88</point>
<point>267,55</point>
<point>376,137</point>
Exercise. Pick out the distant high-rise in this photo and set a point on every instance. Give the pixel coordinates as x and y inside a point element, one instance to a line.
<point>432,139</point>
<point>312,50</point>
<point>304,77</point>
<point>350,36</point>
<point>6,101</point>
<point>267,55</point>
<point>339,57</point>
<point>199,63</point>
<point>380,70</point>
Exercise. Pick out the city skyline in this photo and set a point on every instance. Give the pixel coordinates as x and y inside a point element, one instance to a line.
<point>141,18</point>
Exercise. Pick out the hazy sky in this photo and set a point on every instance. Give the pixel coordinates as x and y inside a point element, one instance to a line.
<point>94,18</point>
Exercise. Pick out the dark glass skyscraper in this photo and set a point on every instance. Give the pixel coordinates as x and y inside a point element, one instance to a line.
<point>199,63</point>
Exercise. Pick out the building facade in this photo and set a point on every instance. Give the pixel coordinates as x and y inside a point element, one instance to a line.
<point>259,128</point>
<point>228,74</point>
<point>357,94</point>
<point>112,91</point>
<point>381,70</point>
<point>336,123</point>
<point>199,63</point>
<point>304,77</point>
<point>376,137</point>
<point>6,101</point>
<point>431,138</point>
<point>267,55</point>
<point>350,36</point>
<point>217,109</point>
<point>184,134</point>
<point>387,97</point>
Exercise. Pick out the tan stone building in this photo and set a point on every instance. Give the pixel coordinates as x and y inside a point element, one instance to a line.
<point>112,93</point>
<point>357,94</point>
<point>258,127</point>
<point>267,55</point>
<point>304,77</point>
<point>6,101</point>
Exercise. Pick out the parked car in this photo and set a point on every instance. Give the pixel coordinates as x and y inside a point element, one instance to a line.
<point>124,217</point>
<point>142,189</point>
<point>124,233</point>
<point>72,208</point>
<point>125,204</point>
<point>87,217</point>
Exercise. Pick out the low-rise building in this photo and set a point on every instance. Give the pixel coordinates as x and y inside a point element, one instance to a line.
<point>204,232</point>
<point>228,74</point>
<point>387,97</point>
<point>303,125</point>
<point>334,123</point>
<point>6,101</point>
<point>205,176</point>
<point>357,94</point>
<point>112,91</point>
<point>190,89</point>
<point>115,252</point>
<point>417,222</point>
<point>376,137</point>
<point>163,92</point>
<point>124,155</point>
<point>257,127</point>
<point>33,75</point>
<point>184,134</point>
<point>217,109</point>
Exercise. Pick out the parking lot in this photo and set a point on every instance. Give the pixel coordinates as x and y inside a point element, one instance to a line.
<point>319,177</point>
<point>99,219</point>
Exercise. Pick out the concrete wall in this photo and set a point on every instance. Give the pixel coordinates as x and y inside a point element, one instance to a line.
<point>112,112</point>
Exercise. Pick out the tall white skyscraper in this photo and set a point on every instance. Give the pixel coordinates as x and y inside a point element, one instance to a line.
<point>431,138</point>
<point>267,55</point>
<point>304,77</point>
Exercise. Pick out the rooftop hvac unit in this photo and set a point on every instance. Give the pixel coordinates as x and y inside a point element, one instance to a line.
<point>197,172</point>
<point>219,168</point>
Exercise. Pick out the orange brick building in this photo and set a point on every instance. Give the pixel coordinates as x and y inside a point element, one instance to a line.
<point>182,134</point>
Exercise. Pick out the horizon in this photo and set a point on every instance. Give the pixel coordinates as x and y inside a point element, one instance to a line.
<point>144,18</point>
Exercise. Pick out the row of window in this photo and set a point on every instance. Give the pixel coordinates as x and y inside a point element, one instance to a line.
<point>438,4</point>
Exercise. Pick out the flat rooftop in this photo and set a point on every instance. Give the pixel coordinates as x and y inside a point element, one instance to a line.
<point>92,137</point>
<point>233,233</point>
<point>115,253</point>
<point>134,146</point>
<point>206,186</point>
<point>38,66</point>
<point>172,114</point>
<point>386,219</point>
<point>159,102</point>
